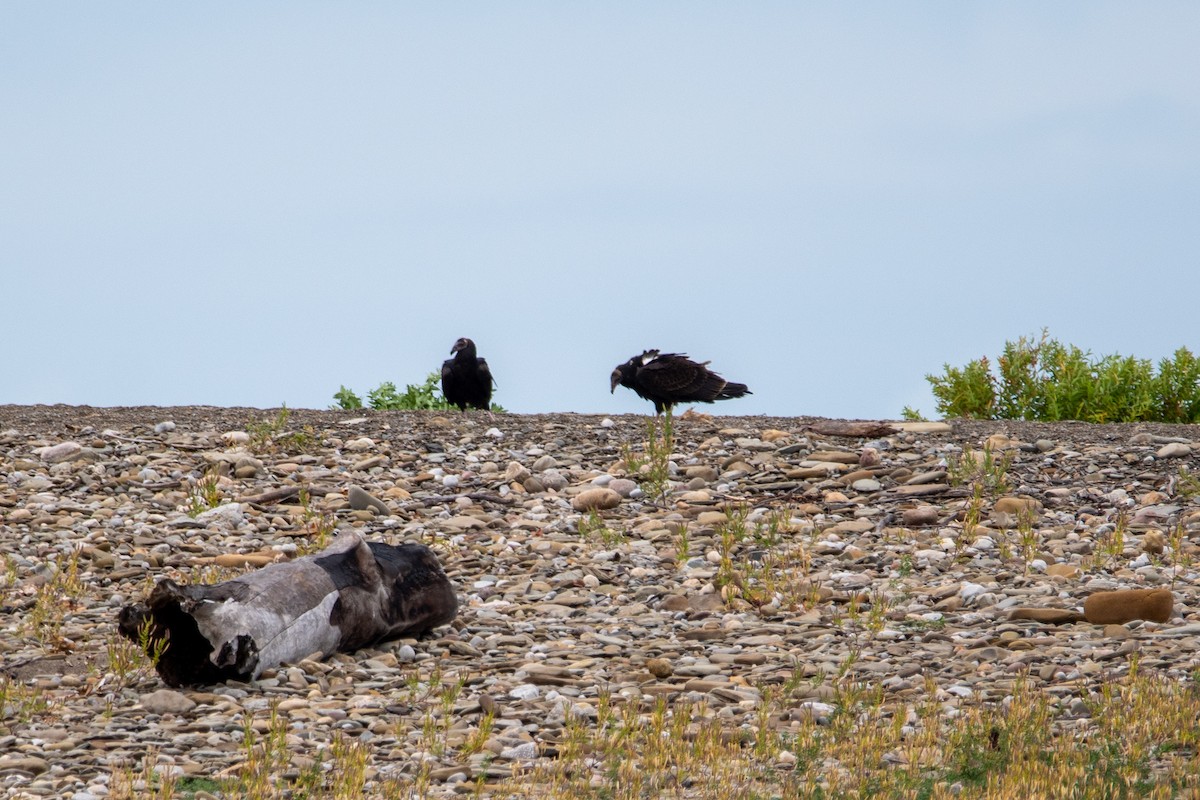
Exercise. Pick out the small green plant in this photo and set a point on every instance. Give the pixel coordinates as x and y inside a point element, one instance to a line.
<point>271,435</point>
<point>683,546</point>
<point>20,703</point>
<point>205,495</point>
<point>1187,485</point>
<point>653,470</point>
<point>1028,538</point>
<point>55,598</point>
<point>318,525</point>
<point>910,414</point>
<point>1043,379</point>
<point>347,399</point>
<point>593,525</point>
<point>130,661</point>
<point>971,518</point>
<point>1112,543</point>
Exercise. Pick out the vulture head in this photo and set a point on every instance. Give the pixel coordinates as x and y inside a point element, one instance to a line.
<point>463,344</point>
<point>624,374</point>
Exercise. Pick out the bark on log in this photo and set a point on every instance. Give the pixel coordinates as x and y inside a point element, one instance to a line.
<point>350,595</point>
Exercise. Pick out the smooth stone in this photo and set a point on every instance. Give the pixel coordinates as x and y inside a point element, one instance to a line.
<point>167,701</point>
<point>1173,450</point>
<point>623,486</point>
<point>229,515</point>
<point>64,451</point>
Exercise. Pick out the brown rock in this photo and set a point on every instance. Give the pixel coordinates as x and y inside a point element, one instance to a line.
<point>1126,605</point>
<point>1154,542</point>
<point>674,602</point>
<point>921,515</point>
<point>660,668</point>
<point>30,765</point>
<point>1054,616</point>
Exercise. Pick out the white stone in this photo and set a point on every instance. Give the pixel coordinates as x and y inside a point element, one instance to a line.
<point>526,691</point>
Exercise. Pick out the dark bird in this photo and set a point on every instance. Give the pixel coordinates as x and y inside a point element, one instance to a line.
<point>466,379</point>
<point>669,378</point>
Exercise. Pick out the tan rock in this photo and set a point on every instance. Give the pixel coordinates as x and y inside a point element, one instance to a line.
<point>592,499</point>
<point>709,519</point>
<point>998,441</point>
<point>1126,605</point>
<point>773,435</point>
<point>1154,542</point>
<point>1016,505</point>
<point>1064,571</point>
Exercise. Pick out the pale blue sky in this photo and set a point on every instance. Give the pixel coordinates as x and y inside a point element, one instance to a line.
<point>254,203</point>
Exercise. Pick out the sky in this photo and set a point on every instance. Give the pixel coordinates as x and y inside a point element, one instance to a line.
<point>248,204</point>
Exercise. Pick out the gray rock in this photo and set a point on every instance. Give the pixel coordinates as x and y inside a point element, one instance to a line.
<point>361,500</point>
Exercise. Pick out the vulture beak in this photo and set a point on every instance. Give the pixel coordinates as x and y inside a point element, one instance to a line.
<point>616,378</point>
<point>459,345</point>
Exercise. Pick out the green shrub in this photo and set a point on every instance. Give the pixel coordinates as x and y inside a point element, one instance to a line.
<point>1046,380</point>
<point>426,396</point>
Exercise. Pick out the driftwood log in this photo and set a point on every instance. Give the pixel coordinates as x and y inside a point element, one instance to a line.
<point>350,595</point>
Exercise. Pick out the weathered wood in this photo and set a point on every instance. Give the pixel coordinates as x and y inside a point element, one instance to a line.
<point>350,595</point>
<point>832,427</point>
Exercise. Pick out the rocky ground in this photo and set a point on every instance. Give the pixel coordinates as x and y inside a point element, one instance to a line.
<point>860,550</point>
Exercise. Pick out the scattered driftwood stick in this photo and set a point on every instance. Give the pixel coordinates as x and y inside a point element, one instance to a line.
<point>479,497</point>
<point>350,595</point>
<point>832,427</point>
<point>284,493</point>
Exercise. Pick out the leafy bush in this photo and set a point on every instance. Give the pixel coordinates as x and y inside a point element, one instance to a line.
<point>426,396</point>
<point>1045,380</point>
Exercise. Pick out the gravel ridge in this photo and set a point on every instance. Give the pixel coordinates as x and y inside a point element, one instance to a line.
<point>551,616</point>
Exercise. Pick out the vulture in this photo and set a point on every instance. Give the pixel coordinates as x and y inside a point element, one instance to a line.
<point>669,378</point>
<point>466,379</point>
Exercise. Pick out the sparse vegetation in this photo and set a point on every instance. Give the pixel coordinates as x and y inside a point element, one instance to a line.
<point>1043,379</point>
<point>61,593</point>
<point>592,525</point>
<point>983,469</point>
<point>318,525</point>
<point>760,568</point>
<point>204,495</point>
<point>860,743</point>
<point>272,435</point>
<point>652,469</point>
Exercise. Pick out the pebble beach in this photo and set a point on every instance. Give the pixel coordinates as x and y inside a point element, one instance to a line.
<point>782,550</point>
